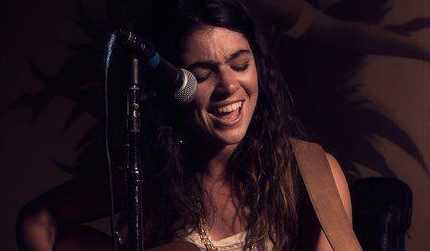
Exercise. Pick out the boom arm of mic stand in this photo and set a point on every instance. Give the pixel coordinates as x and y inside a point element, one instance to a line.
<point>134,168</point>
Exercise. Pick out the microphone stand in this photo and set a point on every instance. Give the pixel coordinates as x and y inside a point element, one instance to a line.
<point>134,170</point>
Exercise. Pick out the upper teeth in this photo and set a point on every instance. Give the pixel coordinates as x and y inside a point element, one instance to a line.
<point>229,108</point>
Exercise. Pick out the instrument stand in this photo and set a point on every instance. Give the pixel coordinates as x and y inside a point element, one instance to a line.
<point>134,170</point>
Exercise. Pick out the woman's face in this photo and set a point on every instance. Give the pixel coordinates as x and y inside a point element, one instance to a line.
<point>227,88</point>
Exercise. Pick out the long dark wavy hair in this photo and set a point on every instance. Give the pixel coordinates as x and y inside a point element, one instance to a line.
<point>262,171</point>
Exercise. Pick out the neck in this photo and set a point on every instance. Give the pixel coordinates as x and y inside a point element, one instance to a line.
<point>213,162</point>
<point>216,165</point>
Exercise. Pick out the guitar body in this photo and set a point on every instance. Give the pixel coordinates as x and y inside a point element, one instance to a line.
<point>176,246</point>
<point>84,238</point>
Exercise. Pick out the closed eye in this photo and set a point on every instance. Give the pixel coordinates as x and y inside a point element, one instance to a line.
<point>240,67</point>
<point>202,70</point>
<point>202,77</point>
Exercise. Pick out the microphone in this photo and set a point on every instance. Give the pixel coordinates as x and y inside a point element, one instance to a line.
<point>181,83</point>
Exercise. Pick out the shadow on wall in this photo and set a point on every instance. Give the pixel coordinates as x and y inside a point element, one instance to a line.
<point>329,105</point>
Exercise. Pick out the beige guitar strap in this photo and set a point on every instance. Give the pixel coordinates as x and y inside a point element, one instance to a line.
<point>325,198</point>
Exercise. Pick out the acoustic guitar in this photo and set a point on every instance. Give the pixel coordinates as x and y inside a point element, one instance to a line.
<point>84,238</point>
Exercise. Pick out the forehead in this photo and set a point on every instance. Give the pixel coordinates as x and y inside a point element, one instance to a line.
<point>212,43</point>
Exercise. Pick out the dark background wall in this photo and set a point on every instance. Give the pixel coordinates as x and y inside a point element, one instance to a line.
<point>402,89</point>
<point>39,30</point>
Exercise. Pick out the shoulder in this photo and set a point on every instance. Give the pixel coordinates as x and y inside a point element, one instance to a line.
<point>307,150</point>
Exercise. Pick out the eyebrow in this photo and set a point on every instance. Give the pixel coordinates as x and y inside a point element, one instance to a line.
<point>238,53</point>
<point>211,63</point>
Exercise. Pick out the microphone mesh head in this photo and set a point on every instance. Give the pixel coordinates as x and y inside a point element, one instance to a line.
<point>186,93</point>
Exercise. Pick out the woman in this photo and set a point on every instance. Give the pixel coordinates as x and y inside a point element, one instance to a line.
<point>220,171</point>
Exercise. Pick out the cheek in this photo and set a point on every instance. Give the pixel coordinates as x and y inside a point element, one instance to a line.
<point>199,105</point>
<point>203,96</point>
<point>252,87</point>
<point>200,98</point>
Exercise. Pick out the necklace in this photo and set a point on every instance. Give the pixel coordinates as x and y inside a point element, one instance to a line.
<point>207,240</point>
<point>205,237</point>
<point>203,231</point>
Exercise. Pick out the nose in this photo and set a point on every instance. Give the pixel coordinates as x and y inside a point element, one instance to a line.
<point>227,83</point>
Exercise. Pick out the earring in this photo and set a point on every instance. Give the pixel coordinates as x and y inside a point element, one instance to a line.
<point>181,138</point>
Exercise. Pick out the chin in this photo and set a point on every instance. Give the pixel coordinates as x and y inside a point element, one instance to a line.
<point>230,138</point>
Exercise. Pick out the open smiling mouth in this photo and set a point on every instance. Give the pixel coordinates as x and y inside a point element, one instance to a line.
<point>229,114</point>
